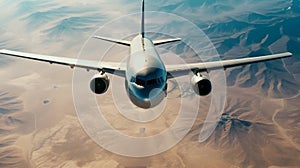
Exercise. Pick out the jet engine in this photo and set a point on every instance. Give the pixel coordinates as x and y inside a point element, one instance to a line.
<point>99,83</point>
<point>201,85</point>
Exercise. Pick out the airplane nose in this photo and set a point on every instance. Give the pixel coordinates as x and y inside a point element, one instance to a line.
<point>143,93</point>
<point>145,97</point>
<point>146,93</point>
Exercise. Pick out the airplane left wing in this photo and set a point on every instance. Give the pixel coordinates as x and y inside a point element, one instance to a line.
<point>184,69</point>
<point>109,67</point>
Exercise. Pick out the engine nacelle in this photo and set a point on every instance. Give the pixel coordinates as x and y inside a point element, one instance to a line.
<point>99,83</point>
<point>201,85</point>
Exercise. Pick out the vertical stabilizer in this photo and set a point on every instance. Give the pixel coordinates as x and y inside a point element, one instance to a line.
<point>143,19</point>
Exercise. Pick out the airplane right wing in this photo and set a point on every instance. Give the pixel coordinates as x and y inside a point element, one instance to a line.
<point>184,69</point>
<point>109,67</point>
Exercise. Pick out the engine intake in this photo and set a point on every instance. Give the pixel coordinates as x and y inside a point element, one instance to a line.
<point>99,83</point>
<point>201,85</point>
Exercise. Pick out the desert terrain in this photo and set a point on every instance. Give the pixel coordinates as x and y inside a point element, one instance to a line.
<point>39,126</point>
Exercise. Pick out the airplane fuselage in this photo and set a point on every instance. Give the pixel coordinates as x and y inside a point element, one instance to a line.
<point>146,74</point>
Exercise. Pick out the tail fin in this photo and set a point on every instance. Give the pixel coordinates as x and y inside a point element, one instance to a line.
<point>143,19</point>
<point>128,43</point>
<point>125,42</point>
<point>156,42</point>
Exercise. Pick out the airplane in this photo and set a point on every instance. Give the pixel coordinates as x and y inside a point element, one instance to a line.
<point>145,73</point>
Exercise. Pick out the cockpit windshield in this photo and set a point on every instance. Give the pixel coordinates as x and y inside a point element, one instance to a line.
<point>140,81</point>
<point>151,82</point>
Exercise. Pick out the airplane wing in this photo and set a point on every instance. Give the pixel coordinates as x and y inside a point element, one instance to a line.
<point>109,67</point>
<point>180,70</point>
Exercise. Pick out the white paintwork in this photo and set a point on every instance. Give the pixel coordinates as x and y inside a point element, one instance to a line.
<point>143,61</point>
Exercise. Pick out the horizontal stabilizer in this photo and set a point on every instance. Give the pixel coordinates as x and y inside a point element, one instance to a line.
<point>122,42</point>
<point>165,41</point>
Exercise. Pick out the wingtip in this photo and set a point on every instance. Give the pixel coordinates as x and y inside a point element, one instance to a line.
<point>290,54</point>
<point>287,54</point>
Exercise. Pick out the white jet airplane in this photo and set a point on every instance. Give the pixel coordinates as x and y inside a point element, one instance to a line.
<point>145,74</point>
